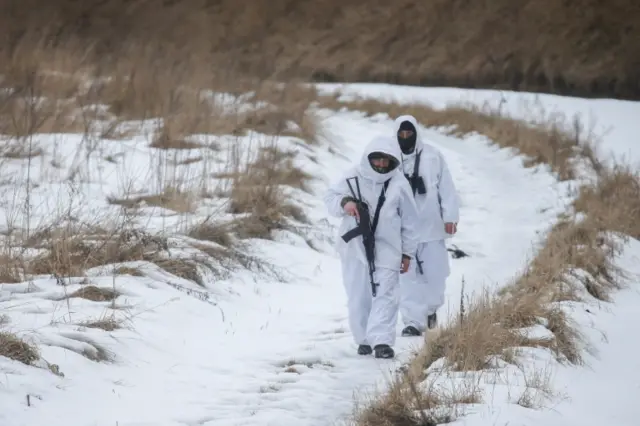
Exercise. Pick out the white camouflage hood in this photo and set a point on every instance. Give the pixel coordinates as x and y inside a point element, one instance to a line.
<point>411,119</point>
<point>385,145</point>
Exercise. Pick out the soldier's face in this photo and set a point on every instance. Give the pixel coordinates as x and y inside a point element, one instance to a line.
<point>405,134</point>
<point>382,163</point>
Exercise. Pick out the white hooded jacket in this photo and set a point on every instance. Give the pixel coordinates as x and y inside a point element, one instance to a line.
<point>396,233</point>
<point>440,204</point>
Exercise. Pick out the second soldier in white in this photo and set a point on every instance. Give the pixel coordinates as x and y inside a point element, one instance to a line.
<point>423,286</point>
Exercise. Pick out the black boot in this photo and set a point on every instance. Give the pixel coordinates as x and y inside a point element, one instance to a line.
<point>411,331</point>
<point>432,321</point>
<point>364,350</point>
<point>384,351</point>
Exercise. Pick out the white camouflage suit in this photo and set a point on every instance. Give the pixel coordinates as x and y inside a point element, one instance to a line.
<point>423,287</point>
<point>373,320</point>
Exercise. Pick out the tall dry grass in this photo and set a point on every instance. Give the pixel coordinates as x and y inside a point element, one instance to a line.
<point>62,86</point>
<point>167,96</point>
<point>585,48</point>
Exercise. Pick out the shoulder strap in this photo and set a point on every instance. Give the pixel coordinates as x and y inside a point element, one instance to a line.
<point>358,195</point>
<point>416,171</point>
<point>381,200</point>
<point>416,165</point>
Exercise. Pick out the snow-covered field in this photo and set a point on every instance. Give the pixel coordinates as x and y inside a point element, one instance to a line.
<point>251,348</point>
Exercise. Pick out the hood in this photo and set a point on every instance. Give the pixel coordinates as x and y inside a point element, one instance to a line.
<point>411,119</point>
<point>385,145</point>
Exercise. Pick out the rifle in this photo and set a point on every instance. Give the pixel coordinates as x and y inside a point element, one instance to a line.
<point>366,227</point>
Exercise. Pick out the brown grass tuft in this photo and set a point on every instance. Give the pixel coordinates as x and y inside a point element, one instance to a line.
<point>614,202</point>
<point>108,323</point>
<point>183,268</point>
<point>165,140</point>
<point>124,270</point>
<point>491,326</point>
<point>10,269</point>
<point>95,294</point>
<point>12,347</point>
<point>27,111</point>
<point>208,231</point>
<point>171,199</point>
<point>258,191</point>
<point>70,251</point>
<point>578,245</point>
<point>406,405</point>
<point>294,102</point>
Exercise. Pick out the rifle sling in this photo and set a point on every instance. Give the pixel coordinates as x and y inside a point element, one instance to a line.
<point>416,171</point>
<point>381,200</point>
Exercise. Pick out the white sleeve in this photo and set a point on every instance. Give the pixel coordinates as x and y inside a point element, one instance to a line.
<point>447,194</point>
<point>334,195</point>
<point>409,220</point>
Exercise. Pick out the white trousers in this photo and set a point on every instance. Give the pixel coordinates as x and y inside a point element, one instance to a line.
<point>372,320</point>
<point>422,294</point>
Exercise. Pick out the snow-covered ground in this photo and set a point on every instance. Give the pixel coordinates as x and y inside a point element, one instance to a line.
<point>542,392</point>
<point>269,350</point>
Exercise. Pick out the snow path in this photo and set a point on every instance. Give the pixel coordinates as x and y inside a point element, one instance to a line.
<point>283,354</point>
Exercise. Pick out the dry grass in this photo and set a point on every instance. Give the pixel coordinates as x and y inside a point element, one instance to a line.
<point>10,269</point>
<point>171,89</point>
<point>69,251</point>
<point>407,405</point>
<point>209,231</point>
<point>579,245</point>
<point>492,325</point>
<point>257,189</point>
<point>26,112</point>
<point>94,294</point>
<point>527,45</point>
<point>12,347</point>
<point>538,389</point>
<point>140,88</point>
<point>107,322</point>
<point>173,199</point>
<point>614,203</point>
<point>142,85</point>
<point>124,270</point>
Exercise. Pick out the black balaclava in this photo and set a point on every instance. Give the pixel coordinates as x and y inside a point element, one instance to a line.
<point>409,144</point>
<point>393,163</point>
